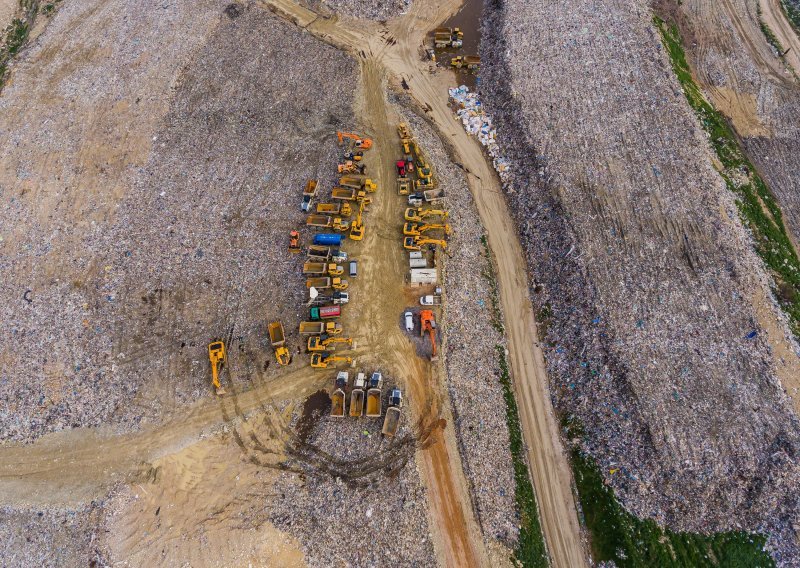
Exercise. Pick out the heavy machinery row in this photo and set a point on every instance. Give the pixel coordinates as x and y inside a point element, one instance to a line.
<point>450,39</point>
<point>424,228</point>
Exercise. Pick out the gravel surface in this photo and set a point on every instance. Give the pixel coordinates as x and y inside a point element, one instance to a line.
<point>369,9</point>
<point>640,268</point>
<point>128,279</point>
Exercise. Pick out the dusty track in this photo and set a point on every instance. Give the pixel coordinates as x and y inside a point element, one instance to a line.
<point>395,46</point>
<point>774,17</point>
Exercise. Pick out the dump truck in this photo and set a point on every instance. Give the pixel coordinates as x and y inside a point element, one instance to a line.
<point>374,395</point>
<point>357,396</point>
<point>308,194</point>
<point>325,312</point>
<point>278,340</point>
<point>448,37</point>
<point>327,282</point>
<point>434,196</point>
<point>358,182</point>
<point>319,221</point>
<point>392,420</point>
<point>471,62</point>
<point>319,268</point>
<point>338,396</point>
<point>320,327</point>
<point>335,298</point>
<point>343,193</point>
<point>324,252</point>
<point>330,208</point>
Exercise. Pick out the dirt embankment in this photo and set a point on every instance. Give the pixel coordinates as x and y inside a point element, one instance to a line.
<point>645,275</point>
<point>147,191</point>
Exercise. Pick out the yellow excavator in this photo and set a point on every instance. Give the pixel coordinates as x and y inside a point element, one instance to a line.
<point>363,143</point>
<point>416,243</point>
<point>218,358</point>
<point>316,343</point>
<point>322,360</point>
<point>357,226</point>
<point>415,230</point>
<point>418,214</point>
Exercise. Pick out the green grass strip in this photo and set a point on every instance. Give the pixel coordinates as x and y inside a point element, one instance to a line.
<point>531,550</point>
<point>620,537</point>
<point>757,206</point>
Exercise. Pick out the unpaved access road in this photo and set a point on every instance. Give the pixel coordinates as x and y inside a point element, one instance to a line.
<point>775,18</point>
<point>395,46</point>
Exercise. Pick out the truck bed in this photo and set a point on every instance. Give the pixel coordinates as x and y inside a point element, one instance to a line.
<point>311,327</point>
<point>343,193</point>
<point>311,187</point>
<point>276,335</point>
<point>391,422</point>
<point>373,402</point>
<point>319,221</point>
<point>357,403</point>
<point>337,403</point>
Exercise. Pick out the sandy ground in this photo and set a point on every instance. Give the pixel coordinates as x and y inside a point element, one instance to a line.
<point>7,10</point>
<point>775,18</point>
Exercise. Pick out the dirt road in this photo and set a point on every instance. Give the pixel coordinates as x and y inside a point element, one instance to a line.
<point>395,46</point>
<point>775,18</point>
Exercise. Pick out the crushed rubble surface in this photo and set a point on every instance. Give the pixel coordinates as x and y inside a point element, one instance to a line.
<point>640,268</point>
<point>191,242</point>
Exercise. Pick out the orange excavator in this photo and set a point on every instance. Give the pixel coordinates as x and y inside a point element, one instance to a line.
<point>363,143</point>
<point>428,323</point>
<point>294,242</point>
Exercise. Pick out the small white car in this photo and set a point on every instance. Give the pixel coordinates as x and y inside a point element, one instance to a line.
<point>409,318</point>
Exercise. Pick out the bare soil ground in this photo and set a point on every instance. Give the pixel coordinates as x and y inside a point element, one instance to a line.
<point>647,276</point>
<point>7,10</point>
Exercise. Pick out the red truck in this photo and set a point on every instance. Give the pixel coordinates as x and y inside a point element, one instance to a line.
<point>325,312</point>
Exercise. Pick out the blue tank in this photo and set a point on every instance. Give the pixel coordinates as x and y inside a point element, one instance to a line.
<point>328,239</point>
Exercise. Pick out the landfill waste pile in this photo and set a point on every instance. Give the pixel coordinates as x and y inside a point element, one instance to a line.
<point>473,369</point>
<point>179,231</point>
<point>658,314</point>
<point>368,9</point>
<point>346,475</point>
<point>477,123</point>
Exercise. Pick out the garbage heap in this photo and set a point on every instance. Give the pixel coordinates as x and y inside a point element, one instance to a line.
<point>477,123</point>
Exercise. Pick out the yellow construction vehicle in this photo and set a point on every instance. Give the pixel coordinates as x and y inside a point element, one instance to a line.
<point>316,343</point>
<point>218,357</point>
<point>418,214</point>
<point>278,340</point>
<point>363,143</point>
<point>403,131</point>
<point>416,243</point>
<point>370,185</point>
<point>322,360</point>
<point>350,167</point>
<point>471,62</point>
<point>340,225</point>
<point>357,228</point>
<point>414,229</point>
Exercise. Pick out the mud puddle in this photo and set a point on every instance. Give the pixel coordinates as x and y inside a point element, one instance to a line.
<point>315,407</point>
<point>468,18</point>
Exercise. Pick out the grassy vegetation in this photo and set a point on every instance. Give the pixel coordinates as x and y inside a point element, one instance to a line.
<point>619,537</point>
<point>531,551</point>
<point>757,206</point>
<point>772,39</point>
<point>14,37</point>
<point>792,11</point>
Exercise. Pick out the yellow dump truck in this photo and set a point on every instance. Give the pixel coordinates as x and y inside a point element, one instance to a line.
<point>343,193</point>
<point>320,327</point>
<point>278,340</point>
<point>338,395</point>
<point>392,420</point>
<point>330,208</point>
<point>357,396</point>
<point>326,282</point>
<point>319,268</point>
<point>374,395</point>
<point>319,221</point>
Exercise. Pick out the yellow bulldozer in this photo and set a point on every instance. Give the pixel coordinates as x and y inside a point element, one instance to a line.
<point>218,358</point>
